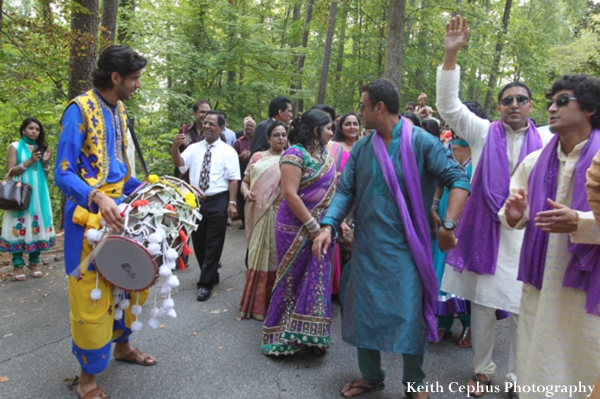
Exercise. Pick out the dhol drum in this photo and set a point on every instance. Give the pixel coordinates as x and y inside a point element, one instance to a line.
<point>158,217</point>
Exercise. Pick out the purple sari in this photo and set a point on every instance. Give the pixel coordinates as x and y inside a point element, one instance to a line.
<point>300,308</point>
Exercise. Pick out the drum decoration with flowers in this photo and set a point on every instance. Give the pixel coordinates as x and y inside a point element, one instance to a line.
<point>158,218</point>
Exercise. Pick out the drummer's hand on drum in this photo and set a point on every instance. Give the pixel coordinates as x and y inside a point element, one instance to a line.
<point>110,211</point>
<point>231,211</point>
<point>179,140</point>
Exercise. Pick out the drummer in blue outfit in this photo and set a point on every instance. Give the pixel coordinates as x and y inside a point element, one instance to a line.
<point>93,172</point>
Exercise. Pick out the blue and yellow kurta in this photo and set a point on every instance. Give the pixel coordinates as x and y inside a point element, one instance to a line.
<point>91,155</point>
<point>382,292</point>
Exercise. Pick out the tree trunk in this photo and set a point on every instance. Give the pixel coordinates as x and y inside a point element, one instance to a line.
<point>109,22</point>
<point>395,42</point>
<point>46,12</point>
<point>496,61</point>
<point>327,54</point>
<point>341,40</point>
<point>1,11</point>
<point>299,106</point>
<point>82,58</point>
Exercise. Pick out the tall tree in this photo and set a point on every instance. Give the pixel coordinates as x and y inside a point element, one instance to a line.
<point>496,61</point>
<point>394,50</point>
<point>109,22</point>
<point>327,54</point>
<point>299,106</point>
<point>82,57</point>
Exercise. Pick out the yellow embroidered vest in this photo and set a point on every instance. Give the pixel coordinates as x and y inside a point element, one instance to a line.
<point>95,147</point>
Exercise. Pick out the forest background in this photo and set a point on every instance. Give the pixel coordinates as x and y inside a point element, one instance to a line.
<point>241,53</point>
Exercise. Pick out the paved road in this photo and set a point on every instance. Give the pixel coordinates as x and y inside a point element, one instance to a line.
<point>204,353</point>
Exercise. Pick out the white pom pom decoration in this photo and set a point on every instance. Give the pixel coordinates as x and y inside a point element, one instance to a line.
<point>136,326</point>
<point>165,289</point>
<point>124,304</point>
<point>153,323</point>
<point>162,233</point>
<point>154,249</point>
<point>155,238</point>
<point>168,304</point>
<point>164,271</point>
<point>154,312</point>
<point>173,281</point>
<point>171,255</point>
<point>118,314</point>
<point>172,313</point>
<point>136,310</point>
<point>96,294</point>
<point>93,236</point>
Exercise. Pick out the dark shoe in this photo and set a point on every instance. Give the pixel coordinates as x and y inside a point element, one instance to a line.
<point>242,227</point>
<point>203,294</point>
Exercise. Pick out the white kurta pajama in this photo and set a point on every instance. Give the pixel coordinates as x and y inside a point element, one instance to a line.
<point>486,292</point>
<point>558,341</point>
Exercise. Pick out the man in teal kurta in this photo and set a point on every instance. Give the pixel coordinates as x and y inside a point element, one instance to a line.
<point>383,287</point>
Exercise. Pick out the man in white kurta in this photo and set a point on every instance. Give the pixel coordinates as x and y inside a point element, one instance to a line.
<point>558,341</point>
<point>501,290</point>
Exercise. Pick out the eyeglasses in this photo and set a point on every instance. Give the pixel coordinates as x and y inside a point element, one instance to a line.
<point>279,136</point>
<point>561,101</point>
<point>361,106</point>
<point>521,100</point>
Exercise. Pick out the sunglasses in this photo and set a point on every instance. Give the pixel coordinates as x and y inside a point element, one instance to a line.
<point>561,101</point>
<point>521,100</point>
<point>361,107</point>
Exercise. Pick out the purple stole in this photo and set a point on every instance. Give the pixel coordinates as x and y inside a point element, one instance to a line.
<point>583,270</point>
<point>417,232</point>
<point>478,231</point>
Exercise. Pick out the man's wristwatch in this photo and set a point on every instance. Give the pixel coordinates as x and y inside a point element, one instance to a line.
<point>449,224</point>
<point>233,203</point>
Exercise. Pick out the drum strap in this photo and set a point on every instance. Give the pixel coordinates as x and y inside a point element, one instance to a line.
<point>138,150</point>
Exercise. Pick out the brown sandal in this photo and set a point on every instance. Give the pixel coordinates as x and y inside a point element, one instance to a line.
<point>465,338</point>
<point>131,358</point>
<point>94,393</point>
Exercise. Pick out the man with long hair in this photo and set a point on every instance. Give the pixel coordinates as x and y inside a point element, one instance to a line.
<point>93,171</point>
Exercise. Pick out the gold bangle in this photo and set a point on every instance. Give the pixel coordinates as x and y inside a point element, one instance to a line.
<point>91,197</point>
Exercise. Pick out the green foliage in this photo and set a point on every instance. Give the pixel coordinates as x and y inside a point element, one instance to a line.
<point>241,53</point>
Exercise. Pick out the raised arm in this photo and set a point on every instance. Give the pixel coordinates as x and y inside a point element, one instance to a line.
<point>449,106</point>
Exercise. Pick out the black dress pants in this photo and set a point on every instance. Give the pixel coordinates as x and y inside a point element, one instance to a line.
<point>209,238</point>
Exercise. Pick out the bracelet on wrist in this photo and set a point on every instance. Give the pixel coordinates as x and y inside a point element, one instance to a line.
<point>233,203</point>
<point>22,166</point>
<point>91,197</point>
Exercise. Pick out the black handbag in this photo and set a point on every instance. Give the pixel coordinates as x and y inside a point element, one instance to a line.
<point>14,194</point>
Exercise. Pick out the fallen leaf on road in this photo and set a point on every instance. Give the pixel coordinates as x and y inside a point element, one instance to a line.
<point>295,366</point>
<point>239,318</point>
<point>4,378</point>
<point>8,315</point>
<point>7,335</point>
<point>161,326</point>
<point>216,311</point>
<point>224,310</point>
<point>45,295</point>
<point>220,347</point>
<point>195,333</point>
<point>229,289</point>
<point>72,381</point>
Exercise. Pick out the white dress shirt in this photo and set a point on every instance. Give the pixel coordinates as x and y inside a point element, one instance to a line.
<point>224,165</point>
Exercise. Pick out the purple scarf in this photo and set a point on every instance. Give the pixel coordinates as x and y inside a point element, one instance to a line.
<point>417,234</point>
<point>478,232</point>
<point>583,270</point>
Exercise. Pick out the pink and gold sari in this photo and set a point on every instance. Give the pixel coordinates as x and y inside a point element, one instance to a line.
<point>260,235</point>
